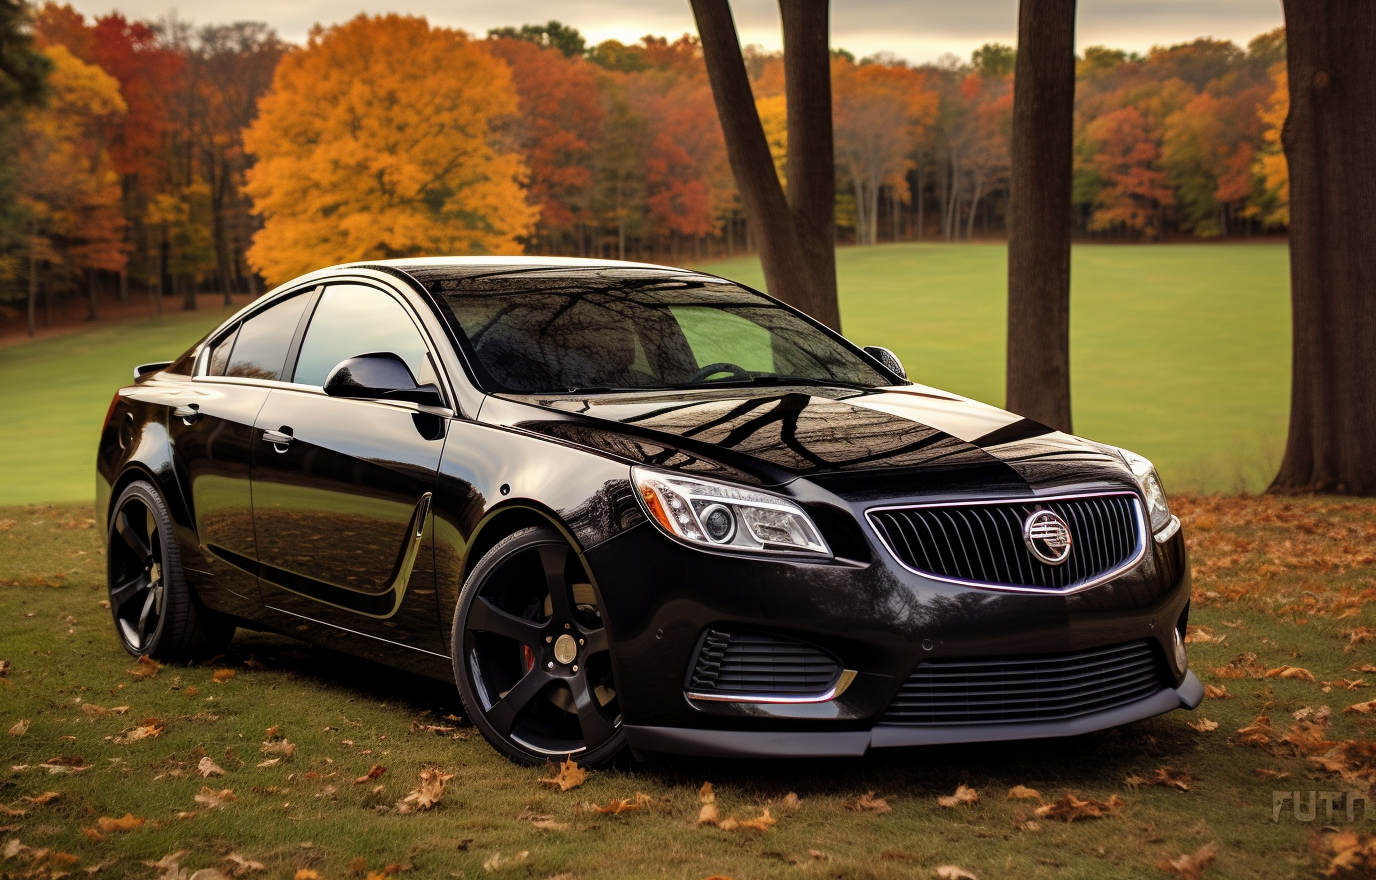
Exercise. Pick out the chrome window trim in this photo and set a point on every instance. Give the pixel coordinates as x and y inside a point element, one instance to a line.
<point>842,682</point>
<point>1139,553</point>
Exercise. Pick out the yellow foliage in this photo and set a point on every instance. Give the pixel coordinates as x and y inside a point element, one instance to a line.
<point>377,141</point>
<point>773,111</point>
<point>1271,166</point>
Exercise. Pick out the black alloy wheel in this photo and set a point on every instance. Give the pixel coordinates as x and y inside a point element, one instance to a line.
<point>531,655</point>
<point>153,609</point>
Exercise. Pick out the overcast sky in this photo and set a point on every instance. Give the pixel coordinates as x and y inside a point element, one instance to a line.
<point>918,30</point>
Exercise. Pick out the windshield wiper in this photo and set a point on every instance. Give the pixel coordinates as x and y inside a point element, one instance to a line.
<point>772,379</point>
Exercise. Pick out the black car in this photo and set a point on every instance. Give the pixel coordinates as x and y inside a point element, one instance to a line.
<point>630,505</point>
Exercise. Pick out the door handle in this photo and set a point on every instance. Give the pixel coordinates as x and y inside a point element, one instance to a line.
<point>188,413</point>
<point>281,439</point>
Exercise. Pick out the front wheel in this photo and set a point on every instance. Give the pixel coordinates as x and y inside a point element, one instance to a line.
<point>154,610</point>
<point>531,656</point>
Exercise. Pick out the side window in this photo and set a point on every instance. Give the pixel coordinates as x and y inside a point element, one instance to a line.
<point>351,320</point>
<point>219,353</point>
<point>260,348</point>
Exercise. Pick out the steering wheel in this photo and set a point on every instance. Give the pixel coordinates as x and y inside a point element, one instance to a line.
<point>736,371</point>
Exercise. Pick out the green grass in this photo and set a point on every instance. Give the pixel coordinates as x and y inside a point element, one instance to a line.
<point>345,716</point>
<point>1180,352</point>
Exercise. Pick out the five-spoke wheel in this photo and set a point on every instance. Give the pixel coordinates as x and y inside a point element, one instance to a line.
<point>153,609</point>
<point>531,655</point>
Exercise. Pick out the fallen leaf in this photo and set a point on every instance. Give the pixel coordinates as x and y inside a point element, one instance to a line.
<point>791,802</point>
<point>127,822</point>
<point>208,768</point>
<point>145,731</point>
<point>550,825</point>
<point>1195,635</point>
<point>761,823</point>
<point>954,872</point>
<point>1357,636</point>
<point>497,862</point>
<point>1258,733</point>
<point>20,727</point>
<point>1190,867</point>
<point>46,797</point>
<point>1351,856</point>
<point>5,667</point>
<point>1165,777</point>
<point>708,815</point>
<point>91,833</point>
<point>270,762</point>
<point>569,775</point>
<point>617,806</point>
<point>1070,808</point>
<point>427,794</point>
<point>1203,725</point>
<point>1217,692</point>
<point>1290,672</point>
<point>12,811</point>
<point>818,855</point>
<point>1268,773</point>
<point>374,773</point>
<point>210,798</point>
<point>209,874</point>
<point>147,668</point>
<point>1023,793</point>
<point>238,865</point>
<point>964,795</point>
<point>92,710</point>
<point>1362,708</point>
<point>306,874</point>
<point>284,748</point>
<point>222,675</point>
<point>868,803</point>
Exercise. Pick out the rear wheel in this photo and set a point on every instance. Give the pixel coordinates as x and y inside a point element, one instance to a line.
<point>154,610</point>
<point>531,656</point>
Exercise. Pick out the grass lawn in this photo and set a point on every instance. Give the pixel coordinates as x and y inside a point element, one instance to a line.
<point>1280,583</point>
<point>1181,352</point>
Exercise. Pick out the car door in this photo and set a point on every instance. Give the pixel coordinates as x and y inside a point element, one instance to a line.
<point>211,429</point>
<point>342,488</point>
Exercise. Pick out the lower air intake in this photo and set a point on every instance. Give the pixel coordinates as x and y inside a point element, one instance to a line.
<point>733,663</point>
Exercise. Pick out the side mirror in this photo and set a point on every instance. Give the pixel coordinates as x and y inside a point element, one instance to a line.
<point>888,359</point>
<point>380,375</point>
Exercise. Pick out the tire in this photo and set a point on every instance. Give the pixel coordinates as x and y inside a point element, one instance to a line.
<point>155,611</point>
<point>531,655</point>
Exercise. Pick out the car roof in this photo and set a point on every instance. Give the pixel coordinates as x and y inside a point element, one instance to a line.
<point>459,264</point>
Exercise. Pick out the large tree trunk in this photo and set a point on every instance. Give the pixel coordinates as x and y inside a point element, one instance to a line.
<point>92,296</point>
<point>1039,213</point>
<point>795,234</point>
<point>1330,145</point>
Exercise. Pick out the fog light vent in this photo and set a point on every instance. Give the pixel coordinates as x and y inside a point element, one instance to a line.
<point>751,664</point>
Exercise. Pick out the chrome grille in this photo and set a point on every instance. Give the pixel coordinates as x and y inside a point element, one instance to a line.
<point>1013,689</point>
<point>982,542</point>
<point>744,663</point>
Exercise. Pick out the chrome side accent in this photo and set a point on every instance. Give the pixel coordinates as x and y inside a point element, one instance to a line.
<point>1169,531</point>
<point>1137,556</point>
<point>842,682</point>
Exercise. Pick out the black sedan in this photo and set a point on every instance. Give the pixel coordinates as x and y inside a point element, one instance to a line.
<point>623,505</point>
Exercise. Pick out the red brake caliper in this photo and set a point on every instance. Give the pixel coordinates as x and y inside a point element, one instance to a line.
<point>527,658</point>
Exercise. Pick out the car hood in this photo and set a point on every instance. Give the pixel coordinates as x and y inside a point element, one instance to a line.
<point>772,435</point>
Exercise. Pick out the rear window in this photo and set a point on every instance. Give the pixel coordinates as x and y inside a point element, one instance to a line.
<point>562,330</point>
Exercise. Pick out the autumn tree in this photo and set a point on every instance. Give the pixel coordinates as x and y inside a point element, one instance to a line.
<point>360,157</point>
<point>23,84</point>
<point>558,128</point>
<point>1330,146</point>
<point>796,233</point>
<point>551,35</point>
<point>69,190</point>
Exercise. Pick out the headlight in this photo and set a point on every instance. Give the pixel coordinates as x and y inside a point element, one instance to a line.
<point>1158,511</point>
<point>712,514</point>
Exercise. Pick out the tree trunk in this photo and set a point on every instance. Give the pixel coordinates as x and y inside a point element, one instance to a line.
<point>795,234</point>
<point>1039,213</point>
<point>92,296</point>
<point>918,200</point>
<point>124,287</point>
<point>1330,146</point>
<point>974,205</point>
<point>33,285</point>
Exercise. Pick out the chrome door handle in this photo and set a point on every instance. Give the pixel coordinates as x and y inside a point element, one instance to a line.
<point>281,439</point>
<point>188,413</point>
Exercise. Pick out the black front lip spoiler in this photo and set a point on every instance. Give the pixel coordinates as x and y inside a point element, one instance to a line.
<point>853,743</point>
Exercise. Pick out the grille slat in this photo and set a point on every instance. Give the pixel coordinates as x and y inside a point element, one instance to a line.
<point>983,543</point>
<point>745,663</point>
<point>1021,689</point>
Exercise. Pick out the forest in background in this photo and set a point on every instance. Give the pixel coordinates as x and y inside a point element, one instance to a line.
<point>170,158</point>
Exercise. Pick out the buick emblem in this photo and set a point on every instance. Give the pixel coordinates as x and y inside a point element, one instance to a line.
<point>1047,536</point>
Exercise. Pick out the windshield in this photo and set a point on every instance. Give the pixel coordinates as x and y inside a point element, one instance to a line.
<point>549,331</point>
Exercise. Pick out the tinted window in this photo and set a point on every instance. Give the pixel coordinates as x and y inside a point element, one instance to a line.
<point>352,320</point>
<point>559,330</point>
<point>219,353</point>
<point>261,347</point>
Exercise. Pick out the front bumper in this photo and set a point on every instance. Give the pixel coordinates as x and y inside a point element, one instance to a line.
<point>853,743</point>
<point>879,620</point>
